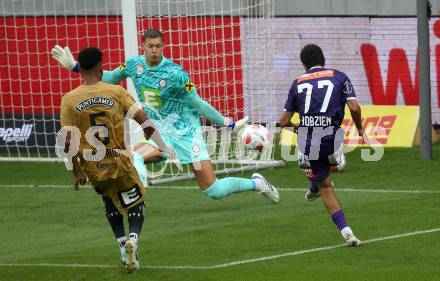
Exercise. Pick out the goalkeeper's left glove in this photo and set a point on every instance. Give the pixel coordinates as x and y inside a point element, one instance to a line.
<point>236,126</point>
<point>65,58</point>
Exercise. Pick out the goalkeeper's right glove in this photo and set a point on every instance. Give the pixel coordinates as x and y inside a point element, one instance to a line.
<point>65,58</point>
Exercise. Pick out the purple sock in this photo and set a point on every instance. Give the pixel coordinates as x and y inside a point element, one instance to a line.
<point>338,218</point>
<point>313,187</point>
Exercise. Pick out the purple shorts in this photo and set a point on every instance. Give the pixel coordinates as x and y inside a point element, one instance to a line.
<point>321,168</point>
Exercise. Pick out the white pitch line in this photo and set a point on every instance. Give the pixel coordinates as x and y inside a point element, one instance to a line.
<point>337,189</point>
<point>73,265</point>
<point>408,191</point>
<point>229,264</point>
<point>389,191</point>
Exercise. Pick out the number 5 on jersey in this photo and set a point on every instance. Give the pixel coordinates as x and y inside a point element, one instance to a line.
<point>105,140</point>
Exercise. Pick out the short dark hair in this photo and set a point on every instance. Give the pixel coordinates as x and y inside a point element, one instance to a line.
<point>153,33</point>
<point>312,55</point>
<point>89,57</point>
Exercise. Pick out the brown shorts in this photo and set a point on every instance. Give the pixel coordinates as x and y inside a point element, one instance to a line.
<point>125,191</point>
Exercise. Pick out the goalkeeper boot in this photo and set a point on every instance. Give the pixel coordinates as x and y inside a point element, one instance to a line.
<point>265,188</point>
<point>132,264</point>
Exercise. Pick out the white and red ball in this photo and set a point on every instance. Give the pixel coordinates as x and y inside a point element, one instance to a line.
<point>255,137</point>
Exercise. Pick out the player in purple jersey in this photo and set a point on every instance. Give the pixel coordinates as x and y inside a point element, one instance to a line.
<point>319,96</point>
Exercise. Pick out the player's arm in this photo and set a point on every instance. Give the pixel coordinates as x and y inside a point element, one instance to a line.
<point>188,90</point>
<point>65,58</point>
<point>115,76</point>
<point>355,110</point>
<point>353,105</point>
<point>150,131</point>
<point>78,174</point>
<point>66,119</point>
<point>207,110</point>
<point>285,119</point>
<point>289,110</point>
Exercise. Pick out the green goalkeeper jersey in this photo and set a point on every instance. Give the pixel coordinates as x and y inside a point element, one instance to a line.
<point>163,91</point>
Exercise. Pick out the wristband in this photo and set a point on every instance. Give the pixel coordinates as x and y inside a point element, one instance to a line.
<point>230,123</point>
<point>76,67</point>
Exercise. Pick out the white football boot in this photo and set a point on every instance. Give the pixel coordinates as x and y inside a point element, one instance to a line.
<point>265,188</point>
<point>352,241</point>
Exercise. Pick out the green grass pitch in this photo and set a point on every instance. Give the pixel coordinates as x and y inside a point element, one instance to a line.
<point>49,232</point>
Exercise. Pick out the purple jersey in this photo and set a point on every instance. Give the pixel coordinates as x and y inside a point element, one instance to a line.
<point>319,96</point>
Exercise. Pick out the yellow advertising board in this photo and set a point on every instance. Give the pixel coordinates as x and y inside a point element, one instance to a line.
<point>390,126</point>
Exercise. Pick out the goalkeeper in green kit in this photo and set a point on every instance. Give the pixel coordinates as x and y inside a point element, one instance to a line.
<point>171,101</point>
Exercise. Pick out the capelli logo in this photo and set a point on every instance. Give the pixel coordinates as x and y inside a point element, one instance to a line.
<point>16,134</point>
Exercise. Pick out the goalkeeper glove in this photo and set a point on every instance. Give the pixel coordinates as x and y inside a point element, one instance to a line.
<point>65,58</point>
<point>236,126</point>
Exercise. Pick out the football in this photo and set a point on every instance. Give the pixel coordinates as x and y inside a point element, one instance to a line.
<point>255,137</point>
<point>340,166</point>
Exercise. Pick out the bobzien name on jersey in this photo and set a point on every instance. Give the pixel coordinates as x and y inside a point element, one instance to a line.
<point>16,134</point>
<point>94,101</point>
<point>316,121</point>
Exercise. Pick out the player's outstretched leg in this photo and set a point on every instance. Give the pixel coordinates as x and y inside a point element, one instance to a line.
<point>148,152</point>
<point>226,186</point>
<point>116,222</point>
<point>219,188</point>
<point>265,188</point>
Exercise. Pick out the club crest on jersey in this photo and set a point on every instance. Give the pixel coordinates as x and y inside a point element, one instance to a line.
<point>348,88</point>
<point>196,149</point>
<point>162,83</point>
<point>93,101</point>
<point>189,86</point>
<point>140,69</point>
